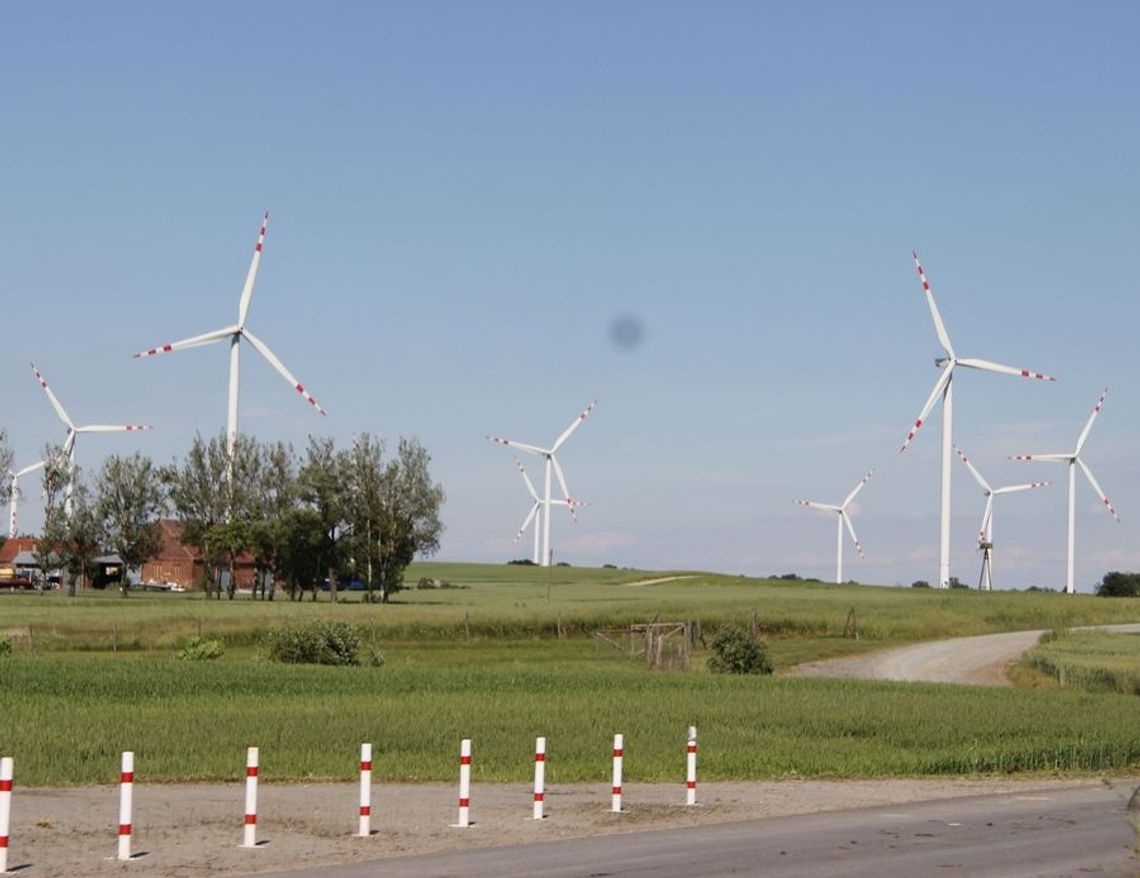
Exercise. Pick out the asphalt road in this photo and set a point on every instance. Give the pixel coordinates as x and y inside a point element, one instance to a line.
<point>1077,831</point>
<point>978,660</point>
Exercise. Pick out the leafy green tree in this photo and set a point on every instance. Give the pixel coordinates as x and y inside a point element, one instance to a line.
<point>68,542</point>
<point>130,501</point>
<point>274,495</point>
<point>410,523</point>
<point>1119,585</point>
<point>321,491</point>
<point>198,492</point>
<point>737,651</point>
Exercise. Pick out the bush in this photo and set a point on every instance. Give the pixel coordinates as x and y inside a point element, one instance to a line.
<point>317,642</point>
<point>5,646</point>
<point>736,651</point>
<point>1119,585</point>
<point>199,650</point>
<point>920,583</point>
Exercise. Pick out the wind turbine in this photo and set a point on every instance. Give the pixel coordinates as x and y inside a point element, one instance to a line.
<point>16,475</point>
<point>986,531</point>
<point>944,387</point>
<point>552,465</point>
<point>535,514</point>
<point>235,334</point>
<point>843,519</point>
<point>74,431</point>
<point>1073,459</point>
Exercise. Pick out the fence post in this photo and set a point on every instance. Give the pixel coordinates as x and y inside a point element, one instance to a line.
<point>615,803</point>
<point>126,797</point>
<point>365,790</point>
<point>539,777</point>
<point>5,809</point>
<point>691,767</point>
<point>464,784</point>
<point>250,839</point>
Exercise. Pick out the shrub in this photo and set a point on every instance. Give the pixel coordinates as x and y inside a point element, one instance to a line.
<point>1119,585</point>
<point>5,646</point>
<point>736,651</point>
<point>920,583</point>
<point>199,650</point>
<point>316,642</point>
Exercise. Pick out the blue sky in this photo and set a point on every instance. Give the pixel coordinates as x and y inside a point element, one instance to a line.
<point>466,197</point>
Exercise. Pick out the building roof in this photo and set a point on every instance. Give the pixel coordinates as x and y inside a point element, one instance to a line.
<point>14,546</point>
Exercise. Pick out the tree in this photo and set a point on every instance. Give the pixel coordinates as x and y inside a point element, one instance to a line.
<point>199,494</point>
<point>130,501</point>
<point>1119,585</point>
<point>410,523</point>
<point>920,583</point>
<point>71,538</point>
<point>274,496</point>
<point>362,477</point>
<point>320,491</point>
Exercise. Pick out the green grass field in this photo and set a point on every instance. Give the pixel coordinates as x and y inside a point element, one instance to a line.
<point>1090,660</point>
<point>95,675</point>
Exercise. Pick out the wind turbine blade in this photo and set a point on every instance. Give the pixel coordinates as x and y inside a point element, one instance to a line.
<point>1088,426</point>
<point>526,478</point>
<point>204,338</point>
<point>851,530</point>
<point>51,396</point>
<point>1065,458</point>
<point>939,326</point>
<point>988,366</point>
<point>112,428</point>
<point>939,387</point>
<point>529,518</point>
<point>574,426</point>
<point>251,276</point>
<point>68,446</point>
<point>511,443</point>
<point>1013,489</point>
<point>1099,491</point>
<point>859,487</point>
<point>263,349</point>
<point>977,475</point>
<point>28,469</point>
<point>987,517</point>
<point>830,507</point>
<point>561,477</point>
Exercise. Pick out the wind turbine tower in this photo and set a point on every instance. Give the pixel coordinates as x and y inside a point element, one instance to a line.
<point>944,388</point>
<point>235,333</point>
<point>843,519</point>
<point>986,531</point>
<point>1073,459</point>
<point>553,468</point>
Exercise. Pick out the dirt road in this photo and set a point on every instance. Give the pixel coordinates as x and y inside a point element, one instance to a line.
<point>196,829</point>
<point>978,661</point>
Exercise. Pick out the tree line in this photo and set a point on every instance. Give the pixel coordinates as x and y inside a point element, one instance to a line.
<point>322,515</point>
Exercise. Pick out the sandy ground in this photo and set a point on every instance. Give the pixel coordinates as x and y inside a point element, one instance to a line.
<point>975,661</point>
<point>192,830</point>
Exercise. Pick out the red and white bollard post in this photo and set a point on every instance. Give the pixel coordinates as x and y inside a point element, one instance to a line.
<point>464,784</point>
<point>250,839</point>
<point>126,798</point>
<point>615,803</point>
<point>691,767</point>
<point>539,776</point>
<point>5,809</point>
<point>365,790</point>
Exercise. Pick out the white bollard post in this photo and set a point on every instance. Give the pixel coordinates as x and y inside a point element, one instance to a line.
<point>5,809</point>
<point>464,784</point>
<point>615,804</point>
<point>691,767</point>
<point>126,797</point>
<point>250,839</point>
<point>539,776</point>
<point>365,790</point>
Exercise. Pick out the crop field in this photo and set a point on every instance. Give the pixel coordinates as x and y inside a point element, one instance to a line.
<point>511,655</point>
<point>1090,660</point>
